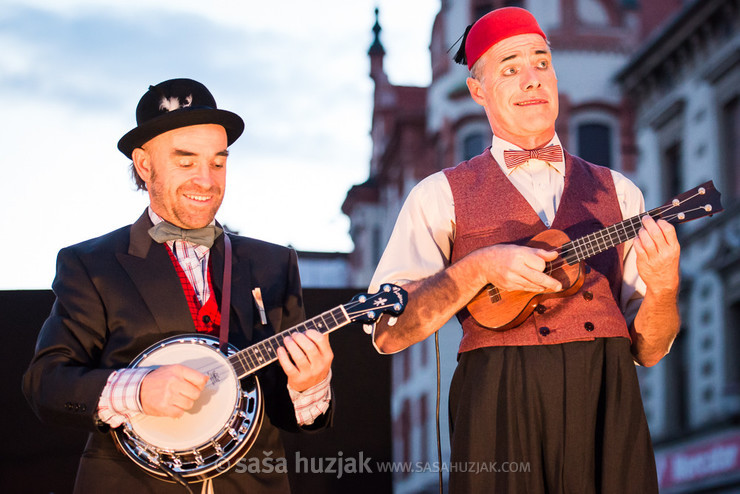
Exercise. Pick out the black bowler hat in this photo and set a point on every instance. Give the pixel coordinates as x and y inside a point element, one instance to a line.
<point>173,104</point>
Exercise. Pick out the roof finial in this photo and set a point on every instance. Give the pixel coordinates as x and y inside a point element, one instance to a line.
<point>377,46</point>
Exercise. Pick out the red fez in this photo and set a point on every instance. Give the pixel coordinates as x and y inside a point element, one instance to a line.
<point>496,26</point>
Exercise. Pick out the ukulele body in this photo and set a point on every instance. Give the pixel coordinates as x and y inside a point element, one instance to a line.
<point>500,310</point>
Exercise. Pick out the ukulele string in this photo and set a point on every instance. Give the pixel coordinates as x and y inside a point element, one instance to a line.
<point>655,213</point>
<point>560,262</point>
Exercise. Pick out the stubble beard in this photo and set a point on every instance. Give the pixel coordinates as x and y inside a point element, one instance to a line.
<point>178,213</point>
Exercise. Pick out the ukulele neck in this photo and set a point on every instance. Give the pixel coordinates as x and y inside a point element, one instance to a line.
<point>587,246</point>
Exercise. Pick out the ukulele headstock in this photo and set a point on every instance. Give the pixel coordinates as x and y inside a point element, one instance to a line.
<point>698,202</point>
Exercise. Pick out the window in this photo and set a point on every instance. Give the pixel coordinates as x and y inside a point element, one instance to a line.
<point>377,245</point>
<point>731,147</point>
<point>670,131</point>
<point>676,406</point>
<point>672,174</point>
<point>481,8</point>
<point>405,432</point>
<point>473,145</point>
<point>423,428</point>
<point>594,143</point>
<point>732,347</point>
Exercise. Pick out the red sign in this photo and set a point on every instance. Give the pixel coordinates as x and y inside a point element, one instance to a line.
<point>698,461</point>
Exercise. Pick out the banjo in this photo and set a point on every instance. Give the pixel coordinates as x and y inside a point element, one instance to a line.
<point>225,420</point>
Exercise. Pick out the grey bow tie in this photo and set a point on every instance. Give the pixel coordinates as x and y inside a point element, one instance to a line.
<point>163,232</point>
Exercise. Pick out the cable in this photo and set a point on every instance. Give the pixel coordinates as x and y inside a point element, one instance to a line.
<point>439,440</point>
<point>175,476</point>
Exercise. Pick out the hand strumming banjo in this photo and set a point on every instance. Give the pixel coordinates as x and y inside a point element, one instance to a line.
<point>226,418</point>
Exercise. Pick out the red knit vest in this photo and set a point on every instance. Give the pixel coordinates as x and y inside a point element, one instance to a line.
<point>490,210</point>
<point>206,317</point>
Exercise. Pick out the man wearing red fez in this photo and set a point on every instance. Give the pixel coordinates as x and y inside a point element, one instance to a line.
<point>554,388</point>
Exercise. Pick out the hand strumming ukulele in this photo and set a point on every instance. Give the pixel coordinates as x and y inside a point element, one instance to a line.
<point>501,310</point>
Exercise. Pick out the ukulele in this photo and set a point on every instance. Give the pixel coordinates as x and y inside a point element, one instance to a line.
<point>500,310</point>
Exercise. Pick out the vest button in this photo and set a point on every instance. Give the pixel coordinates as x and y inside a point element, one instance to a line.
<point>589,326</point>
<point>206,319</point>
<point>544,331</point>
<point>588,295</point>
<point>540,309</point>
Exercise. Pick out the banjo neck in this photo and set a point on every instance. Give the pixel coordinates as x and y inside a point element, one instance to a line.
<point>265,352</point>
<point>224,424</point>
<point>390,299</point>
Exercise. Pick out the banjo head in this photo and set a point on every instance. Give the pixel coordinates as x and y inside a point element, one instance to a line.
<point>209,413</point>
<point>220,427</point>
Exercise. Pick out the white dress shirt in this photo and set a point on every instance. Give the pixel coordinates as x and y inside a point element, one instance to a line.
<point>422,239</point>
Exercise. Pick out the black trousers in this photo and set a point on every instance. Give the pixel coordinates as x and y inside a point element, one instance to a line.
<point>550,419</point>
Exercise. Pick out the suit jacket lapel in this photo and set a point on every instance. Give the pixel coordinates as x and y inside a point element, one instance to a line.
<point>149,267</point>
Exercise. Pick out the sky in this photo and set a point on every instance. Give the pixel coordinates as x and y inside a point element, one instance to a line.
<point>72,72</point>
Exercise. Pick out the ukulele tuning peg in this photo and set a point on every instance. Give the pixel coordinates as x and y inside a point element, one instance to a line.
<point>708,208</point>
<point>702,191</point>
<point>681,216</point>
<point>676,202</point>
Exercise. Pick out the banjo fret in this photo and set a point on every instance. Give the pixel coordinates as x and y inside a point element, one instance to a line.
<point>265,352</point>
<point>230,410</point>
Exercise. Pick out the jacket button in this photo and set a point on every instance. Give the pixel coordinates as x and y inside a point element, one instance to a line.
<point>588,295</point>
<point>544,331</point>
<point>540,309</point>
<point>206,319</point>
<point>588,269</point>
<point>589,326</point>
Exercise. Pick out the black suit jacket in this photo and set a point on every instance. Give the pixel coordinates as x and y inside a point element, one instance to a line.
<point>117,295</point>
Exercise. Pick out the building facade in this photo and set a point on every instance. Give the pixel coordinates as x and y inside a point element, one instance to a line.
<point>648,88</point>
<point>684,84</point>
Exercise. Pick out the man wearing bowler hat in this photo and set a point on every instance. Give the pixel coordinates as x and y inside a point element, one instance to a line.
<point>555,396</point>
<point>118,294</point>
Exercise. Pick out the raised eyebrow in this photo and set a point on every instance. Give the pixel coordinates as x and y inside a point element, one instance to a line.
<point>515,55</point>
